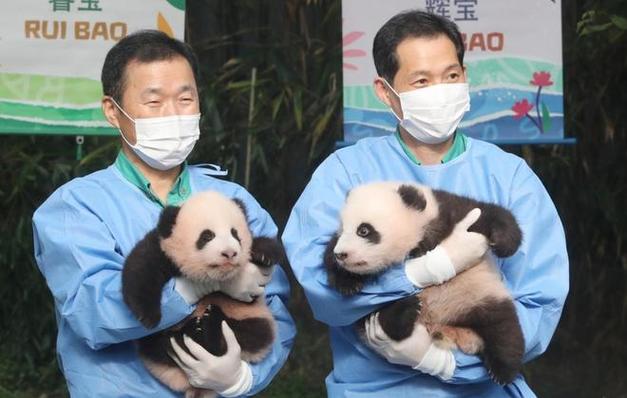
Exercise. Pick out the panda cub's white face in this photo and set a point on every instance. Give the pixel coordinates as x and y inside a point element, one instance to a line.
<point>210,239</point>
<point>378,228</point>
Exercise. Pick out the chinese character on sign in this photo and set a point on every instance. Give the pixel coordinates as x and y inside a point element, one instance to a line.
<point>61,5</point>
<point>466,10</point>
<point>92,5</point>
<point>440,7</point>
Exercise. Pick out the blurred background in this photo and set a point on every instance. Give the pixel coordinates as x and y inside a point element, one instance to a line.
<point>295,50</point>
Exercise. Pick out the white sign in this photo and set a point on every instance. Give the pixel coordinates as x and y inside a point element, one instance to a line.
<point>51,56</point>
<point>513,59</point>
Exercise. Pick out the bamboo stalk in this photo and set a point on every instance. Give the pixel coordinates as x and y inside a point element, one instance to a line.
<point>250,138</point>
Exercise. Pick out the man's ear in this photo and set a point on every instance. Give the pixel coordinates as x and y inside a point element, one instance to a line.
<point>110,111</point>
<point>464,70</point>
<point>382,91</point>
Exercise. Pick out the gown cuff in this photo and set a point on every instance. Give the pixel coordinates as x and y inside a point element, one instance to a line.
<point>433,268</point>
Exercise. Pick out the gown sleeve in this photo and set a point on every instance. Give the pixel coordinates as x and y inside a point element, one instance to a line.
<point>312,222</point>
<point>82,264</point>
<point>277,294</point>
<point>537,275</point>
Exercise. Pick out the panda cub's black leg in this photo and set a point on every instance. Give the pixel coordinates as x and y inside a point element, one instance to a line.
<point>253,334</point>
<point>496,322</point>
<point>205,330</point>
<point>399,318</point>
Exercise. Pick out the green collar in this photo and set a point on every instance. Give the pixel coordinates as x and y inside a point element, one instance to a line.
<point>458,147</point>
<point>180,191</point>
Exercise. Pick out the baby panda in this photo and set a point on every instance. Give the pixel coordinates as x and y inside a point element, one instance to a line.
<point>386,223</point>
<point>206,240</point>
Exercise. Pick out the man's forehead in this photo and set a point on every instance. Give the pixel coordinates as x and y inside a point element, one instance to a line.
<point>158,64</point>
<point>156,77</point>
<point>421,54</point>
<point>156,89</point>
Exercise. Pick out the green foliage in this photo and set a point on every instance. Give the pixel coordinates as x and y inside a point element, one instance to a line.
<point>30,169</point>
<point>290,114</point>
<point>588,182</point>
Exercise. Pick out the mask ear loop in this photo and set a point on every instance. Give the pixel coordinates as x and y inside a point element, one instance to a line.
<point>399,98</point>
<point>129,118</point>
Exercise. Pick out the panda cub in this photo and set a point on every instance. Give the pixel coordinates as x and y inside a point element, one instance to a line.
<point>206,240</point>
<point>386,223</point>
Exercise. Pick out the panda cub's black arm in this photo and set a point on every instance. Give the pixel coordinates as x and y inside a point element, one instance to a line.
<point>266,252</point>
<point>347,283</point>
<point>497,223</point>
<point>146,270</point>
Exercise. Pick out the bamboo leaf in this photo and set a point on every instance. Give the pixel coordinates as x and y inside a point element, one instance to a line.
<point>276,104</point>
<point>619,22</point>
<point>298,109</point>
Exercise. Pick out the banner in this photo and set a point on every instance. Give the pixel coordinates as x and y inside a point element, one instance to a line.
<point>51,56</point>
<point>513,59</point>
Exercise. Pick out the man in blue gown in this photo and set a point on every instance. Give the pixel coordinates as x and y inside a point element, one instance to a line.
<point>421,77</point>
<point>87,227</point>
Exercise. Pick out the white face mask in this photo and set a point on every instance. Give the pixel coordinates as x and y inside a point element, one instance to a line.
<point>432,114</point>
<point>164,142</point>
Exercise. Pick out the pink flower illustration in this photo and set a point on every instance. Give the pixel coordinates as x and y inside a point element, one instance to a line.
<point>541,79</point>
<point>521,109</point>
<point>351,53</point>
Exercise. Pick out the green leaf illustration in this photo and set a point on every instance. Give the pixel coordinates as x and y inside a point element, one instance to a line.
<point>546,118</point>
<point>180,4</point>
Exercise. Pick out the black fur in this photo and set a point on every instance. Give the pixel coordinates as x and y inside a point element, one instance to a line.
<point>496,322</point>
<point>496,223</point>
<point>345,282</point>
<point>205,237</point>
<point>146,271</point>
<point>368,232</point>
<point>242,206</point>
<point>167,219</point>
<point>235,235</point>
<point>266,252</point>
<point>412,197</point>
<point>397,319</point>
<point>253,335</point>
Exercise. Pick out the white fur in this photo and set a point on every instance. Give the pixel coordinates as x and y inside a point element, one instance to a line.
<point>401,227</point>
<point>214,211</point>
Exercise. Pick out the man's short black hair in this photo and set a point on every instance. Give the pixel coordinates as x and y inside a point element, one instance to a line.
<point>413,23</point>
<point>142,46</point>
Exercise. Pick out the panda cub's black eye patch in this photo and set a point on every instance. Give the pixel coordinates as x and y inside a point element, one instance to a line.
<point>205,237</point>
<point>235,234</point>
<point>368,232</point>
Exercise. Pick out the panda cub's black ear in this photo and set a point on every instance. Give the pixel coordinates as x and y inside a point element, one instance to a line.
<point>412,197</point>
<point>242,206</point>
<point>167,219</point>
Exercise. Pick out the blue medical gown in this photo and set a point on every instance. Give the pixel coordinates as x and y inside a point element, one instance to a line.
<point>83,233</point>
<point>537,275</point>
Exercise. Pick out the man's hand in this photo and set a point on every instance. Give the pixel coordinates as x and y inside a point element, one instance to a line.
<point>248,284</point>
<point>228,374</point>
<point>416,351</point>
<point>460,250</point>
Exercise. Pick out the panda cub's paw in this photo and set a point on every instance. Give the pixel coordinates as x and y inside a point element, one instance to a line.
<point>500,227</point>
<point>399,318</point>
<point>266,252</point>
